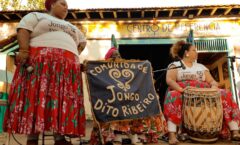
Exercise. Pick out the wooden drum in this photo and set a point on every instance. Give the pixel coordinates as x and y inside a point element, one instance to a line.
<point>202,114</point>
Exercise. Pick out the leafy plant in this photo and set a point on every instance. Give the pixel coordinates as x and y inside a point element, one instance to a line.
<point>6,5</point>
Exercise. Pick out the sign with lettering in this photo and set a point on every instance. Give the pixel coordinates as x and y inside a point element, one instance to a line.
<point>121,90</point>
<point>163,28</point>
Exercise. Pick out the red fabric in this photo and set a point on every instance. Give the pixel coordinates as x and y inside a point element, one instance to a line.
<point>173,104</point>
<point>153,127</point>
<point>48,99</point>
<point>110,52</point>
<point>48,4</point>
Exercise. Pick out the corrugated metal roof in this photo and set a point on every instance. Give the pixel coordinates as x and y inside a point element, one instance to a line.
<point>115,4</point>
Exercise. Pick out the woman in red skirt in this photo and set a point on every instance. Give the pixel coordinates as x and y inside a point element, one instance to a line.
<point>194,75</point>
<point>46,91</point>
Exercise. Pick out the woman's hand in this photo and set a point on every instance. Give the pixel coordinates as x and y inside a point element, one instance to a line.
<point>188,87</point>
<point>181,90</point>
<point>22,57</point>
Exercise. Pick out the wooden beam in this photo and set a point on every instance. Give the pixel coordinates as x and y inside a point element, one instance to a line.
<point>170,13</point>
<point>6,16</point>
<point>142,14</point>
<point>156,13</point>
<point>199,12</point>
<point>185,12</point>
<point>115,14</point>
<point>87,14</point>
<point>19,15</point>
<point>101,15</point>
<point>129,14</point>
<point>213,11</point>
<point>227,11</point>
<point>74,15</point>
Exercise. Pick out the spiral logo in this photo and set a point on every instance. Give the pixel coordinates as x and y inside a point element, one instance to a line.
<point>116,74</point>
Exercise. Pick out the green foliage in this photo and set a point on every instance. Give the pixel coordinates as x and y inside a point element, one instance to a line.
<point>21,5</point>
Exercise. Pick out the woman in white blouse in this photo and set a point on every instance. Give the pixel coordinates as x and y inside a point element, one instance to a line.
<point>195,75</point>
<point>46,92</point>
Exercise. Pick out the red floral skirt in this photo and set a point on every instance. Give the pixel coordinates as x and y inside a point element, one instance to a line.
<point>48,99</point>
<point>173,104</point>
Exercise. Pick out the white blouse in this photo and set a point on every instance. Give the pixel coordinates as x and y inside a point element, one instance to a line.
<point>49,31</point>
<point>196,72</point>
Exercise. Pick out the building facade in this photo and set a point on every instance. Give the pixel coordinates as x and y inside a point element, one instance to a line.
<point>148,33</point>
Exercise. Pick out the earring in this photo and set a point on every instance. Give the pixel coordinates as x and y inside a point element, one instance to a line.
<point>187,55</point>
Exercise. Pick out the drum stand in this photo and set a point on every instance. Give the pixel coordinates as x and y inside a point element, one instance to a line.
<point>232,59</point>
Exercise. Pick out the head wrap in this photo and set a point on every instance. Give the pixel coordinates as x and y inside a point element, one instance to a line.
<point>110,52</point>
<point>48,4</point>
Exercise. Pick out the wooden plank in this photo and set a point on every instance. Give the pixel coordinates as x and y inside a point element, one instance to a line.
<point>170,13</point>
<point>185,13</point>
<point>115,14</point>
<point>227,11</point>
<point>101,15</point>
<point>156,13</point>
<point>6,16</point>
<point>213,11</point>
<point>142,14</point>
<point>129,14</point>
<point>19,15</point>
<point>87,14</point>
<point>199,12</point>
<point>74,15</point>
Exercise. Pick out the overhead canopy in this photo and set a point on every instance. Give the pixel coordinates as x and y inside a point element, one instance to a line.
<point>113,4</point>
<point>87,10</point>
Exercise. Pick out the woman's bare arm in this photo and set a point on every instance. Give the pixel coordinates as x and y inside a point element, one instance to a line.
<point>171,79</point>
<point>210,79</point>
<point>23,37</point>
<point>81,47</point>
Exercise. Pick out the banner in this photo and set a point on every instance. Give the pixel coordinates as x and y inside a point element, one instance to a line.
<point>121,90</point>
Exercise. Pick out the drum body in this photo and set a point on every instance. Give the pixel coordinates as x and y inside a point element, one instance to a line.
<point>202,114</point>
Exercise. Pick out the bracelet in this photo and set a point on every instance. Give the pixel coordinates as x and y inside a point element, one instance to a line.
<point>23,50</point>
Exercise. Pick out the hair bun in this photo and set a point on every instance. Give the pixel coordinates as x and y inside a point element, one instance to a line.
<point>174,51</point>
<point>177,51</point>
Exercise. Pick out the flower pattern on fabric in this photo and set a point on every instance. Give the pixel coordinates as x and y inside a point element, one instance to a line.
<point>49,98</point>
<point>173,105</point>
<point>153,128</point>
